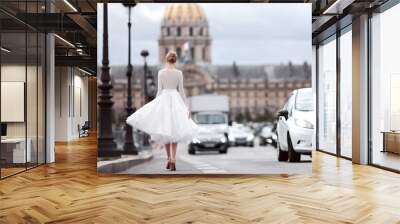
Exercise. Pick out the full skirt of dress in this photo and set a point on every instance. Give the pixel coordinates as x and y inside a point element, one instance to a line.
<point>165,119</point>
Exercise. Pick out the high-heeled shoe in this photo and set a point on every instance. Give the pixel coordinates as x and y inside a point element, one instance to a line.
<point>173,166</point>
<point>168,165</point>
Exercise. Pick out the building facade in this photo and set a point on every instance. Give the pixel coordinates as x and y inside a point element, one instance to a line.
<point>256,92</point>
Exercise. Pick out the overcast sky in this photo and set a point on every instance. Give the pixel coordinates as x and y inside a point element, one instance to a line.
<point>255,33</point>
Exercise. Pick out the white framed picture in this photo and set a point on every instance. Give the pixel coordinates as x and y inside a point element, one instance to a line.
<point>12,101</point>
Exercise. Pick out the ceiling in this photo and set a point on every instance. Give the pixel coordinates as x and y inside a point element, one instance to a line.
<point>74,21</point>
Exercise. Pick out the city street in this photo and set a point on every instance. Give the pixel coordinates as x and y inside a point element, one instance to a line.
<point>238,160</point>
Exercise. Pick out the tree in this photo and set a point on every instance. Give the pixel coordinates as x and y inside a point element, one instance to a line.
<point>239,117</point>
<point>247,115</point>
<point>307,70</point>
<point>291,69</point>
<point>266,116</point>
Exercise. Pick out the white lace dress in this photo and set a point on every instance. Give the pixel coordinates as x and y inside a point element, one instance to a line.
<point>165,118</point>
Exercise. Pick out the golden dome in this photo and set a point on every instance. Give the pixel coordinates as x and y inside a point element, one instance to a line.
<point>184,12</point>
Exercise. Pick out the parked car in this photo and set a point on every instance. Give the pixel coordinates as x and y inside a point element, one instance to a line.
<point>296,126</point>
<point>257,127</point>
<point>268,136</point>
<point>241,135</point>
<point>211,113</point>
<point>208,140</point>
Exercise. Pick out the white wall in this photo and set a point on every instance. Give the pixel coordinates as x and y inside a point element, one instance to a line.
<point>11,73</point>
<point>71,102</point>
<point>80,105</point>
<point>32,104</point>
<point>61,103</point>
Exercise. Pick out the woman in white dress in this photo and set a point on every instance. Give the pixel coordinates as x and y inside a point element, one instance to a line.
<point>167,117</point>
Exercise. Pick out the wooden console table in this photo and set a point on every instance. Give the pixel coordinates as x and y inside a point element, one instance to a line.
<point>391,141</point>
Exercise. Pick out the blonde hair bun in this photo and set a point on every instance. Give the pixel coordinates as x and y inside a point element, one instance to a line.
<point>171,57</point>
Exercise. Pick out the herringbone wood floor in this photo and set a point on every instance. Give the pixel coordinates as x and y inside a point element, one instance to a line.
<point>70,191</point>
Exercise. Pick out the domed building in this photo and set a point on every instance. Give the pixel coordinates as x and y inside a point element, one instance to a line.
<point>184,29</point>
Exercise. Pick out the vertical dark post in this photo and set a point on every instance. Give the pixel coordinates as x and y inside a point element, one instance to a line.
<point>129,146</point>
<point>146,92</point>
<point>144,54</point>
<point>317,97</point>
<point>369,88</point>
<point>338,97</point>
<point>105,139</point>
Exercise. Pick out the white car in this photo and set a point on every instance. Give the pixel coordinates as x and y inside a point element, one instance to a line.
<point>296,126</point>
<point>240,135</point>
<point>208,140</point>
<point>267,136</point>
<point>213,133</point>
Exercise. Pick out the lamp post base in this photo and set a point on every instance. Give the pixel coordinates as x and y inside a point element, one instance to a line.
<point>129,150</point>
<point>107,149</point>
<point>129,146</point>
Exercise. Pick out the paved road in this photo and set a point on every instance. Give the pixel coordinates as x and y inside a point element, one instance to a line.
<point>238,160</point>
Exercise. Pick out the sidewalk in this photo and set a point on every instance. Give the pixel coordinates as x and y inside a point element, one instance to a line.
<point>126,161</point>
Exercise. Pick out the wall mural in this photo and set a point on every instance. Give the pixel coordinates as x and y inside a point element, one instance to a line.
<point>197,90</point>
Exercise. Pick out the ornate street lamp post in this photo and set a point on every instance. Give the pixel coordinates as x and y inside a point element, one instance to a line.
<point>129,146</point>
<point>144,54</point>
<point>149,85</point>
<point>152,89</point>
<point>105,139</point>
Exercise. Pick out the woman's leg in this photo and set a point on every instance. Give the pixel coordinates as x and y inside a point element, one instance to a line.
<point>167,146</point>
<point>173,152</point>
<point>173,156</point>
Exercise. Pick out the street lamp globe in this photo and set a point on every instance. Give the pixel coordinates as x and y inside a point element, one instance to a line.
<point>129,4</point>
<point>144,53</point>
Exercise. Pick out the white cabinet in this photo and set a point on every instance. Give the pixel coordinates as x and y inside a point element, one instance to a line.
<point>17,147</point>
